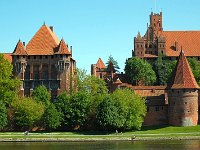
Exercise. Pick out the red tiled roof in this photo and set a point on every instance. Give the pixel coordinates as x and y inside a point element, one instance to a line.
<point>8,56</point>
<point>62,48</point>
<point>188,40</point>
<point>100,64</point>
<point>19,49</point>
<point>183,77</point>
<point>145,93</point>
<point>43,42</point>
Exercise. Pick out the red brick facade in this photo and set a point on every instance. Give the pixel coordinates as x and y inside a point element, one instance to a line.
<point>44,61</point>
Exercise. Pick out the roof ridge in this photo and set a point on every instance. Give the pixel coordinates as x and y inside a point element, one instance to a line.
<point>183,77</point>
<point>100,64</point>
<point>62,48</point>
<point>19,49</point>
<point>43,42</point>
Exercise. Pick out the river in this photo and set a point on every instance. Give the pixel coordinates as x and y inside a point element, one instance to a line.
<point>137,145</point>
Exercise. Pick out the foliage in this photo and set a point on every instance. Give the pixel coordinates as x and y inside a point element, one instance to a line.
<point>108,114</point>
<point>27,112</point>
<point>94,86</point>
<point>8,84</point>
<point>41,94</point>
<point>139,71</point>
<point>81,76</point>
<point>123,110</point>
<point>195,66</point>
<point>51,117</point>
<point>90,84</point>
<point>74,109</point>
<point>163,69</point>
<point>115,63</point>
<point>3,115</point>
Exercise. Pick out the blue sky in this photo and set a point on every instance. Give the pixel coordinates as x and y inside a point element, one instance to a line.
<point>95,28</point>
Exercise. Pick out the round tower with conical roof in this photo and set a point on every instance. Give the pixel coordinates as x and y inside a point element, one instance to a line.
<point>183,95</point>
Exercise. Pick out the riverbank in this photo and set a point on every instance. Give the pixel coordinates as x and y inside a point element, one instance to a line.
<point>146,134</point>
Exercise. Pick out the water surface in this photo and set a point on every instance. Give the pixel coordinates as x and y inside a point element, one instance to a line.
<point>138,145</point>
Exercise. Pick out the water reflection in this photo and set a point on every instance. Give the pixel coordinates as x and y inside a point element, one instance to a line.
<point>141,145</point>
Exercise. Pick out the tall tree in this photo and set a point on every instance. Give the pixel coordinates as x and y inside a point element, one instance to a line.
<point>51,118</point>
<point>27,112</point>
<point>41,94</point>
<point>76,109</point>
<point>114,62</point>
<point>163,69</point>
<point>139,71</point>
<point>8,84</point>
<point>121,110</point>
<point>90,84</point>
<point>3,115</point>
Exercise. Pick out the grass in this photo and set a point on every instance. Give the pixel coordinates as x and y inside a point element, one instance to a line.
<point>146,132</point>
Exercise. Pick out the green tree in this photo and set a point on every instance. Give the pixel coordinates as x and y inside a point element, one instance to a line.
<point>41,94</point>
<point>27,112</point>
<point>76,109</point>
<point>8,84</point>
<point>94,86</point>
<point>195,66</point>
<point>52,118</point>
<point>73,109</point>
<point>90,84</point>
<point>3,115</point>
<point>163,69</point>
<point>107,115</point>
<point>132,107</point>
<point>115,63</point>
<point>61,105</point>
<point>122,110</point>
<point>139,71</point>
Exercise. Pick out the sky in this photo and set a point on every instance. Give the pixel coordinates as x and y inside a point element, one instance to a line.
<point>95,28</point>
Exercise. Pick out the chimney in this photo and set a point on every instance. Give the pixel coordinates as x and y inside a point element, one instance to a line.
<point>71,49</point>
<point>51,27</point>
<point>24,43</point>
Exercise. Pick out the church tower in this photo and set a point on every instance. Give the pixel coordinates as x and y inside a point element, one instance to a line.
<point>183,95</point>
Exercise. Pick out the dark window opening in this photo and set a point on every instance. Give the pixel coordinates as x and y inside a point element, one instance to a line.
<point>157,108</point>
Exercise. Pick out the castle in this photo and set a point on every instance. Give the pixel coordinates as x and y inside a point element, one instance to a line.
<point>45,60</point>
<point>48,61</point>
<point>177,103</point>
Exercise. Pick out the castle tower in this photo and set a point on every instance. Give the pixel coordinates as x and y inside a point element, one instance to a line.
<point>98,69</point>
<point>152,43</point>
<point>45,60</point>
<point>156,21</point>
<point>183,95</point>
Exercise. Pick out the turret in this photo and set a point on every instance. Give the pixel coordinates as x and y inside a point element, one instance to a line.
<point>183,95</point>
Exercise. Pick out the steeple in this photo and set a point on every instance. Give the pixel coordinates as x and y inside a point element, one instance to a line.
<point>19,49</point>
<point>183,77</point>
<point>100,64</point>
<point>62,48</point>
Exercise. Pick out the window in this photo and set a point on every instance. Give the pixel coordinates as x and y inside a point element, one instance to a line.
<point>34,57</point>
<point>147,109</point>
<point>28,57</point>
<point>157,108</point>
<point>36,71</point>
<point>100,75</point>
